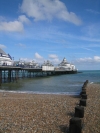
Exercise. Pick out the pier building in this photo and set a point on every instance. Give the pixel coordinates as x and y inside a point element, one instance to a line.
<point>5,59</point>
<point>66,66</point>
<point>47,66</point>
<point>25,64</point>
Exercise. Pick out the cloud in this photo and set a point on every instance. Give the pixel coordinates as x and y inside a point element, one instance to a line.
<point>92,30</point>
<point>95,59</point>
<point>26,59</point>
<point>87,37</point>
<point>14,26</point>
<point>88,49</point>
<point>47,10</point>
<point>53,56</point>
<point>23,19</point>
<point>88,63</point>
<point>37,56</point>
<point>21,45</point>
<point>2,46</point>
<point>92,11</point>
<point>54,59</point>
<point>86,59</point>
<point>2,18</point>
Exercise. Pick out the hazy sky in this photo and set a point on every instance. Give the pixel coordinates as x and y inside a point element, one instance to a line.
<point>51,30</point>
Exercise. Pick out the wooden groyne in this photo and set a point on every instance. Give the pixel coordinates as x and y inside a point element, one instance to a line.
<point>77,121</point>
<point>11,73</point>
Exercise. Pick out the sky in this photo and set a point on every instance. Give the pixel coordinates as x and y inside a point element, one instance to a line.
<point>43,30</point>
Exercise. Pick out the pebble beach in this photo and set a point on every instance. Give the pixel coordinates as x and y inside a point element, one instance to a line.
<point>47,113</point>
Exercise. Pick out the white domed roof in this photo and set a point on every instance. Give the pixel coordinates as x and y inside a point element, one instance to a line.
<point>2,52</point>
<point>64,60</point>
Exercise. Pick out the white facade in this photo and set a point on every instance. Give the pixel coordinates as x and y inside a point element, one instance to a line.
<point>47,66</point>
<point>5,59</point>
<point>33,64</point>
<point>73,67</point>
<point>65,65</point>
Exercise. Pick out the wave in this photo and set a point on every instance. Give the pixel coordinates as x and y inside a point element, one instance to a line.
<point>91,82</point>
<point>37,92</point>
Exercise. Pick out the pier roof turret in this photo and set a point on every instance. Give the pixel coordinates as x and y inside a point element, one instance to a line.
<point>64,60</point>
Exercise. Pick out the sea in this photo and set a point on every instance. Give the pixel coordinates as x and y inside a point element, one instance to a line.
<point>68,84</point>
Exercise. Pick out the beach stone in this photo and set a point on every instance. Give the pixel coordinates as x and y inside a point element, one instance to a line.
<point>75,125</point>
<point>84,96</point>
<point>79,111</point>
<point>82,102</point>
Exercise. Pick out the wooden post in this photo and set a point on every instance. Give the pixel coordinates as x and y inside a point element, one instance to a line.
<point>16,75</point>
<point>29,74</point>
<point>87,81</point>
<point>12,75</point>
<point>4,77</point>
<point>82,102</point>
<point>0,77</point>
<point>75,125</point>
<point>83,92</point>
<point>79,111</point>
<point>83,89</point>
<point>84,96</point>
<point>22,74</point>
<point>9,75</point>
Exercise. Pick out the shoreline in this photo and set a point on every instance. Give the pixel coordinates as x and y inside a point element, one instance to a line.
<point>38,113</point>
<point>41,93</point>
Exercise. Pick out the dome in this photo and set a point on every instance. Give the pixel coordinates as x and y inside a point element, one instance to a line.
<point>64,60</point>
<point>2,52</point>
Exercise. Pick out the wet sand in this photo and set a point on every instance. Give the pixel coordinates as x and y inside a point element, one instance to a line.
<point>38,113</point>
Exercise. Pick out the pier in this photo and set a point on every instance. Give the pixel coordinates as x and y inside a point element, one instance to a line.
<point>13,73</point>
<point>11,70</point>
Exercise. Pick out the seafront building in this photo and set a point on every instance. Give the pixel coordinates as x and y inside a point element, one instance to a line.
<point>64,65</point>
<point>47,66</point>
<point>5,59</point>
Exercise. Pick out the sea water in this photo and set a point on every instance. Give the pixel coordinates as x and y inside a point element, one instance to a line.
<point>69,84</point>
